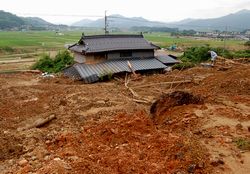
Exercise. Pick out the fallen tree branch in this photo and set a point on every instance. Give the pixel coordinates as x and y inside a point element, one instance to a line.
<point>176,77</point>
<point>141,100</point>
<point>133,92</point>
<point>40,122</point>
<point>131,68</point>
<point>127,79</point>
<point>164,83</point>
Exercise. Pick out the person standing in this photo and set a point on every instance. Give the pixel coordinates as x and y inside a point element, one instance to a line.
<point>213,57</point>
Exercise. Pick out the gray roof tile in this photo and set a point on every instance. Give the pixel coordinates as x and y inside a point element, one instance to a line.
<point>90,73</point>
<point>167,59</point>
<point>102,43</point>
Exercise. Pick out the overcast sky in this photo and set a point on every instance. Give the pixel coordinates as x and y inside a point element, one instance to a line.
<point>66,12</point>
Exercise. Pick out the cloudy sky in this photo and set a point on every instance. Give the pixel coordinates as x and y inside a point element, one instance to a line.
<point>66,12</point>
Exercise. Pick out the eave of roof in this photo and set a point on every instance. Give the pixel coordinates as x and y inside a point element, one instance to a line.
<point>104,43</point>
<point>166,59</point>
<point>92,72</point>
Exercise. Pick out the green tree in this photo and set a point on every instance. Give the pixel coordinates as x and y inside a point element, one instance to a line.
<point>48,64</point>
<point>44,64</point>
<point>247,44</point>
<point>62,60</point>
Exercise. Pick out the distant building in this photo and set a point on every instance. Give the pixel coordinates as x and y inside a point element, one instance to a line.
<point>247,32</point>
<point>98,55</point>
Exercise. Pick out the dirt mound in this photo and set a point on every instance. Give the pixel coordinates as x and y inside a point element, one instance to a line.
<point>10,147</point>
<point>129,144</point>
<point>101,129</point>
<point>176,98</point>
<point>231,82</point>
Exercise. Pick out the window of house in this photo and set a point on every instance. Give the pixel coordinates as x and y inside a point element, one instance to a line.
<point>126,54</point>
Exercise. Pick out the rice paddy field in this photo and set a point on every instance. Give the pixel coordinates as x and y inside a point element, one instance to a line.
<point>29,45</point>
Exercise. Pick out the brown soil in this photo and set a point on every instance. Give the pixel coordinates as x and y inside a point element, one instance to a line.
<point>100,129</point>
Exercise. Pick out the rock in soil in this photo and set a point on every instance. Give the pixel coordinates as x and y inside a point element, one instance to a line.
<point>23,162</point>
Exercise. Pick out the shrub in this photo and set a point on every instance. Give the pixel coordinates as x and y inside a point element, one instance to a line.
<point>243,144</point>
<point>7,49</point>
<point>61,60</point>
<point>196,54</point>
<point>48,64</point>
<point>44,64</point>
<point>242,54</point>
<point>247,43</point>
<point>183,65</point>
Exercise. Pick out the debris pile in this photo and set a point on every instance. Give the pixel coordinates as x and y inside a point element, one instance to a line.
<point>194,126</point>
<point>129,143</point>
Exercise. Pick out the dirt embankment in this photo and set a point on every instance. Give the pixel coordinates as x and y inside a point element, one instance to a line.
<point>99,128</point>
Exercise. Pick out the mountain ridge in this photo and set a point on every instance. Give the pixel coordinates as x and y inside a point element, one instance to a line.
<point>238,21</point>
<point>235,21</point>
<point>10,21</point>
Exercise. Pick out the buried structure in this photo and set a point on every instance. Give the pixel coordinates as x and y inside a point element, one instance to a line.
<point>101,55</point>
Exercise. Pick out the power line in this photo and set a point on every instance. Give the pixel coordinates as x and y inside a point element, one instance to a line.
<point>62,15</point>
<point>106,18</point>
<point>136,20</point>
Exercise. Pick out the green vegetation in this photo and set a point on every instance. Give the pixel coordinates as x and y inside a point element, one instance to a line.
<point>241,54</point>
<point>30,44</point>
<point>247,44</point>
<point>32,41</point>
<point>48,64</point>
<point>195,55</point>
<point>165,40</point>
<point>184,65</point>
<point>38,41</point>
<point>6,49</point>
<point>242,143</point>
<point>184,33</point>
<point>106,75</point>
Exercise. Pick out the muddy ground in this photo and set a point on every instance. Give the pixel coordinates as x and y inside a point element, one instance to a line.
<point>99,128</point>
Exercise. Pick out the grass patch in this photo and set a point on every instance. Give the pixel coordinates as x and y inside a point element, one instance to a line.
<point>165,40</point>
<point>242,143</point>
<point>50,40</point>
<point>7,49</point>
<point>183,65</point>
<point>241,54</point>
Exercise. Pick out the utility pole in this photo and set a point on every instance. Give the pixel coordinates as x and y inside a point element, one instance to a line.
<point>106,23</point>
<point>225,39</point>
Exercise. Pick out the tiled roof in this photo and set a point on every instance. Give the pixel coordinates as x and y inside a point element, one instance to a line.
<point>90,73</point>
<point>166,59</point>
<point>102,43</point>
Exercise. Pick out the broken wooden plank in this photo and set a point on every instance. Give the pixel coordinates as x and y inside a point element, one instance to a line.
<point>164,83</point>
<point>141,101</point>
<point>126,82</point>
<point>39,122</point>
<point>131,68</point>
